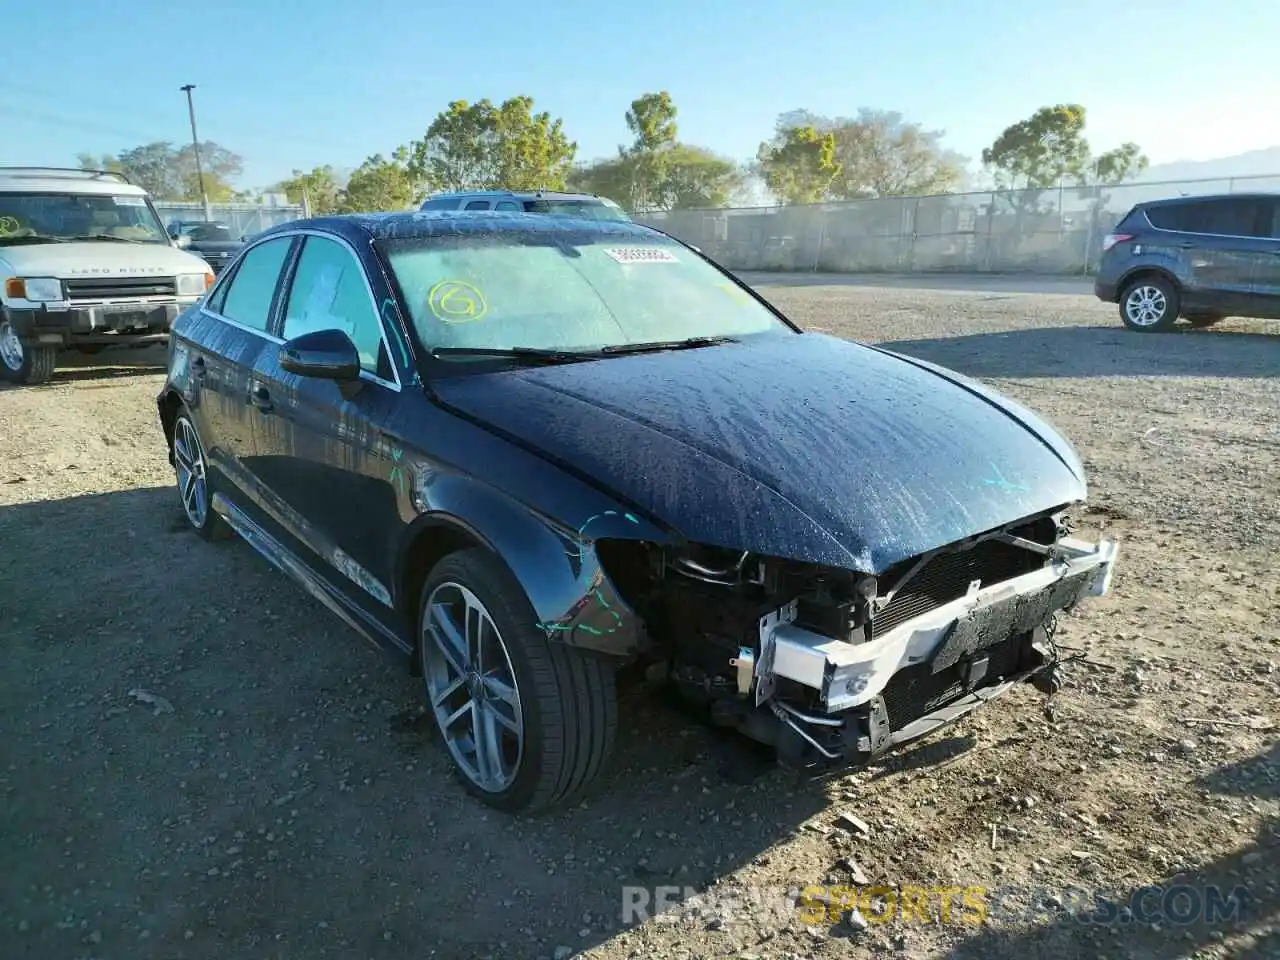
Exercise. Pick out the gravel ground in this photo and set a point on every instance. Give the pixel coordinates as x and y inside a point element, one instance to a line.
<point>197,761</point>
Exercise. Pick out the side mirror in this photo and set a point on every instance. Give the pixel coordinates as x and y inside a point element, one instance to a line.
<point>182,241</point>
<point>322,354</point>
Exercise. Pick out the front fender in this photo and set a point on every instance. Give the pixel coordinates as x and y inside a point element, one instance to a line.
<point>553,560</point>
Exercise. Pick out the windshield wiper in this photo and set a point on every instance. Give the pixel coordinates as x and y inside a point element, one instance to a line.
<point>689,343</point>
<point>35,238</point>
<point>528,354</point>
<point>107,236</point>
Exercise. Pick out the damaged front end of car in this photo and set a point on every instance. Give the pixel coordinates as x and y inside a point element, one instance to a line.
<point>836,667</point>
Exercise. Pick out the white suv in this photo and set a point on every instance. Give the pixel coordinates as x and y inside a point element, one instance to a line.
<point>85,263</point>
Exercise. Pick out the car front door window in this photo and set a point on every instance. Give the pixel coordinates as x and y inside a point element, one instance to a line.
<point>329,292</point>
<point>247,299</point>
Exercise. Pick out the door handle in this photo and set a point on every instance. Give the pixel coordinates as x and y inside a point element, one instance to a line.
<point>198,367</point>
<point>260,397</point>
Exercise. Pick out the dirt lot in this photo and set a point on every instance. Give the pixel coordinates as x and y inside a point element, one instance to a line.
<point>283,799</point>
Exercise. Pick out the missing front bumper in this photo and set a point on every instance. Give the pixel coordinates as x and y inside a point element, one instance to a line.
<point>844,676</point>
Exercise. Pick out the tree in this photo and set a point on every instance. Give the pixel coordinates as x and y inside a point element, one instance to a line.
<point>1041,151</point>
<point>320,187</point>
<point>169,173</point>
<point>380,184</point>
<point>480,146</point>
<point>882,155</point>
<point>695,178</point>
<point>652,121</point>
<point>878,152</point>
<point>219,165</point>
<point>692,178</point>
<point>799,164</point>
<point>1115,166</point>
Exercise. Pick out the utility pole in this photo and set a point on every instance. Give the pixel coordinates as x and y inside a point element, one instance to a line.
<point>195,144</point>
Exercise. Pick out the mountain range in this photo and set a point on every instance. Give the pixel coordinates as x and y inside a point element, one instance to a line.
<point>1255,163</point>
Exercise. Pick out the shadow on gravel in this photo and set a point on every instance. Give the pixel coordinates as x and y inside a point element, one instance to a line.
<point>1230,903</point>
<point>1100,352</point>
<point>197,760</point>
<point>75,367</point>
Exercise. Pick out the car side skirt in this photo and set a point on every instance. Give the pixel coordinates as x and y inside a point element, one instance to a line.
<point>285,560</point>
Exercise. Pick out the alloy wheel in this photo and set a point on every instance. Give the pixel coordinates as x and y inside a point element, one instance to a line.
<point>472,688</point>
<point>11,354</point>
<point>1146,306</point>
<point>188,463</point>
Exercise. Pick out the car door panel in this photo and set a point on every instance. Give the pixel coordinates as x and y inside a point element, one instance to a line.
<point>223,348</point>
<point>327,465</point>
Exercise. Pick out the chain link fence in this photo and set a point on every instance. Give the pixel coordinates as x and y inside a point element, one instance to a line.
<point>1056,230</point>
<point>242,219</point>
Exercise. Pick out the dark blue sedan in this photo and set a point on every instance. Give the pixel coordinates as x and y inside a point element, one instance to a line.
<point>523,451</point>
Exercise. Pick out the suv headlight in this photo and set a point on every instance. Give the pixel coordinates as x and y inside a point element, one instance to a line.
<point>39,289</point>
<point>194,284</point>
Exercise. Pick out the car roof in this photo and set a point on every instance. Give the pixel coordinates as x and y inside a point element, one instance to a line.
<point>437,223</point>
<point>66,180</point>
<point>1258,195</point>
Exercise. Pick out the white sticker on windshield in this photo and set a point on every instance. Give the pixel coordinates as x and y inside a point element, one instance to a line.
<point>641,255</point>
<point>130,201</point>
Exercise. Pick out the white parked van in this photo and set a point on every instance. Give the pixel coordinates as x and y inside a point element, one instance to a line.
<point>85,263</point>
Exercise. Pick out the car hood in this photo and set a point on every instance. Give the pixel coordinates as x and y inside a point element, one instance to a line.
<point>803,446</point>
<point>98,258</point>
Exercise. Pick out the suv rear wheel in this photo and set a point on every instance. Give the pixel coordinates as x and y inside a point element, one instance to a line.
<point>1149,304</point>
<point>23,364</point>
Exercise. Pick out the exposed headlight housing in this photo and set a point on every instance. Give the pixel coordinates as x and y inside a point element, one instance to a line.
<point>194,284</point>
<point>36,289</point>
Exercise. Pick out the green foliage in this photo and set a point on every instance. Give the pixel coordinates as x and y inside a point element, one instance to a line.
<point>1123,163</point>
<point>799,164</point>
<point>319,187</point>
<point>656,171</point>
<point>380,184</point>
<point>1041,151</point>
<point>480,146</point>
<point>169,173</point>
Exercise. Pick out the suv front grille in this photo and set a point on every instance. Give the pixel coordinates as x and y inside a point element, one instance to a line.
<point>120,288</point>
<point>947,577</point>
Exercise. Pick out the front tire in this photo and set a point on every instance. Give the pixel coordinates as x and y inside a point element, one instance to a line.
<point>24,364</point>
<point>191,467</point>
<point>529,723</point>
<point>1149,304</point>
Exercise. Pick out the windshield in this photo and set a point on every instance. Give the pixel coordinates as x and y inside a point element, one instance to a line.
<point>567,290</point>
<point>588,209</point>
<point>29,217</point>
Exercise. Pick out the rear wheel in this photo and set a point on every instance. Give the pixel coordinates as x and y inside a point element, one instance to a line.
<point>23,364</point>
<point>528,722</point>
<point>1149,304</point>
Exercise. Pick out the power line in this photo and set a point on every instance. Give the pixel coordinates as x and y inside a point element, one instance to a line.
<point>263,133</point>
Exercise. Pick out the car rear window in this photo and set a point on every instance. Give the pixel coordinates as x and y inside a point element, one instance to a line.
<point>588,209</point>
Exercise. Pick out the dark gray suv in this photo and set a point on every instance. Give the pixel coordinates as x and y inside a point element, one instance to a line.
<point>1201,258</point>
